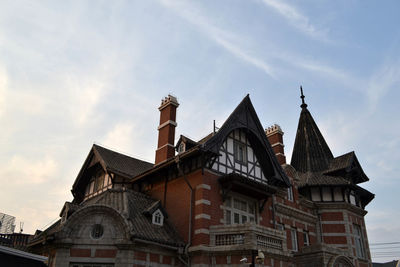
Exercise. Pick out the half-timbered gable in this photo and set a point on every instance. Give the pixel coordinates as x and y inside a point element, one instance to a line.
<point>236,155</point>
<point>241,146</point>
<point>104,169</point>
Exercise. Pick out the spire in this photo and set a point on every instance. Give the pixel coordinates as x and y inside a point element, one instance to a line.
<point>303,104</point>
<point>310,152</point>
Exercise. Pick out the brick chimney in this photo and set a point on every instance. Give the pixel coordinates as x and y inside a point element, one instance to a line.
<point>275,138</point>
<point>166,130</point>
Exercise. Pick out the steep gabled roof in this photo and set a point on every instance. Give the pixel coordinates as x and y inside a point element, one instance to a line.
<point>120,163</point>
<point>110,161</point>
<point>310,152</point>
<point>244,116</point>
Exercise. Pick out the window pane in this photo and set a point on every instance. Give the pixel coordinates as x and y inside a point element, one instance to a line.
<point>244,206</point>
<point>294,239</point>
<point>236,203</point>
<point>228,217</point>
<point>236,218</point>
<point>306,239</point>
<point>251,208</point>
<point>244,219</point>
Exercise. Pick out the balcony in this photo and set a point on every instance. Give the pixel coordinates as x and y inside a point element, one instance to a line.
<point>248,236</point>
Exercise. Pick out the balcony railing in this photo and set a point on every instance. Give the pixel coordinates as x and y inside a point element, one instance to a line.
<point>248,236</point>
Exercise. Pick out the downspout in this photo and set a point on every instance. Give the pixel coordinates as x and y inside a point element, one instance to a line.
<point>320,226</point>
<point>273,211</point>
<point>177,160</point>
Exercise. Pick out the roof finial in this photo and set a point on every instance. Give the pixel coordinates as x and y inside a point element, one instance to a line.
<point>303,105</point>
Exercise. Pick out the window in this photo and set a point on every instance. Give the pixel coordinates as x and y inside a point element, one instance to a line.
<point>98,183</point>
<point>239,210</point>
<point>353,198</point>
<point>280,226</point>
<point>306,238</point>
<point>181,148</point>
<point>158,218</point>
<point>97,231</point>
<point>359,241</point>
<point>290,193</point>
<point>293,233</point>
<point>240,152</point>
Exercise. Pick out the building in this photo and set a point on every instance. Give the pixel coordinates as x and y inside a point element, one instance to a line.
<point>7,223</point>
<point>227,199</point>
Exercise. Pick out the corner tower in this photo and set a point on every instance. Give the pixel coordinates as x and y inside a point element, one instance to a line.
<point>331,183</point>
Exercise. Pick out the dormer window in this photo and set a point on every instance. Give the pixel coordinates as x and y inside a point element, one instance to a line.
<point>158,218</point>
<point>181,147</point>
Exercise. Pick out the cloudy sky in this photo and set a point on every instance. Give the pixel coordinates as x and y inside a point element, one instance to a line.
<point>77,72</point>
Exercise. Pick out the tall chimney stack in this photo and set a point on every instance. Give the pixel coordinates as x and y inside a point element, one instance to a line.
<point>275,138</point>
<point>166,129</point>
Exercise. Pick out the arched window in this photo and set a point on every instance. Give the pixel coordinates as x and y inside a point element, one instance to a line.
<point>158,218</point>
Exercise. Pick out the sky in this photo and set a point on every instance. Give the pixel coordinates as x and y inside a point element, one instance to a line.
<point>74,73</point>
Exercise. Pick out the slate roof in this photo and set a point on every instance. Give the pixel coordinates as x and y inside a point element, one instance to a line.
<point>341,162</point>
<point>118,162</point>
<point>134,206</point>
<point>135,209</point>
<point>318,178</point>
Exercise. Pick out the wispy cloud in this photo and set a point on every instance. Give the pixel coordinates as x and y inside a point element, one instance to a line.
<point>297,19</point>
<point>386,78</point>
<point>227,40</point>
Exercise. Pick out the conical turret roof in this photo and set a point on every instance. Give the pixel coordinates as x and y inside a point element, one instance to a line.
<point>310,153</point>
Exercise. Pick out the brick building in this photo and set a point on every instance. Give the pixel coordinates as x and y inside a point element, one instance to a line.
<point>228,199</point>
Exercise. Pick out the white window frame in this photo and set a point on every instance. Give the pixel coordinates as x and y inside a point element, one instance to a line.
<point>359,241</point>
<point>290,193</point>
<point>293,233</point>
<point>181,147</point>
<point>238,147</point>
<point>234,215</point>
<point>158,217</point>
<point>306,238</point>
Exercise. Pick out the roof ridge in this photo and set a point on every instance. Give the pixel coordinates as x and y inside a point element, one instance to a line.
<point>120,153</point>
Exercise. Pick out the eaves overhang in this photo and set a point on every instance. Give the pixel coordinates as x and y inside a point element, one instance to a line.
<point>245,186</point>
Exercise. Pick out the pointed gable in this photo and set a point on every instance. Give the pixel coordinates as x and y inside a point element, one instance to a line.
<point>100,158</point>
<point>246,120</point>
